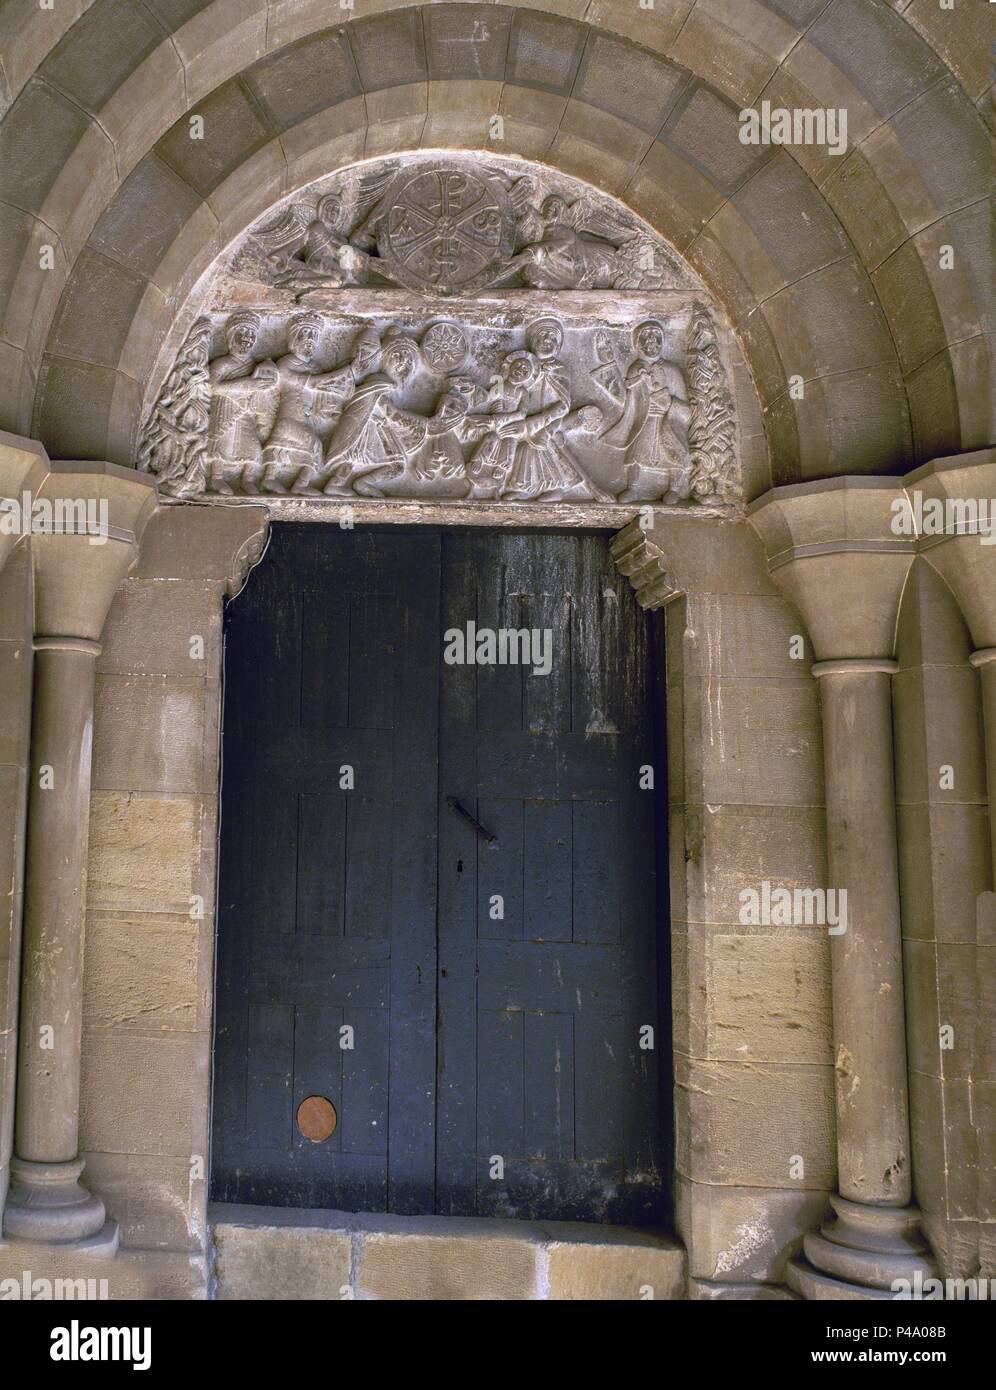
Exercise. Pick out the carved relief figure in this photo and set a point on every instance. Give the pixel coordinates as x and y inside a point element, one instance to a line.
<point>559,251</point>
<point>452,226</point>
<point>492,461</point>
<point>435,467</point>
<point>314,251</point>
<point>530,433</point>
<point>243,403</point>
<point>309,402</point>
<point>653,426</point>
<point>540,464</point>
<point>375,434</point>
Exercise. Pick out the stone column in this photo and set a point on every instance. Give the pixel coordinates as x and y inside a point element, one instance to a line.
<point>839,553</point>
<point>953,505</point>
<point>80,552</point>
<point>23,465</point>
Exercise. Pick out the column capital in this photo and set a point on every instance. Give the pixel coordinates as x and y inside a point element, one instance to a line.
<point>838,549</point>
<point>953,504</point>
<point>84,539</point>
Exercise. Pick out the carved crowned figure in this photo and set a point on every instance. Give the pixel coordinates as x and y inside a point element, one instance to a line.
<point>310,401</point>
<point>243,402</point>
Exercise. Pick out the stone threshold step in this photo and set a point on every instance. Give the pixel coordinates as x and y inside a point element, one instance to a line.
<point>283,1253</point>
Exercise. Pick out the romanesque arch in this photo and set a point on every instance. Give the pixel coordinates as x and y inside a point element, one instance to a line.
<point>200,196</point>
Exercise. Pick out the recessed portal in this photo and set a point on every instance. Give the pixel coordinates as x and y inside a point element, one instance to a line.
<point>440,914</point>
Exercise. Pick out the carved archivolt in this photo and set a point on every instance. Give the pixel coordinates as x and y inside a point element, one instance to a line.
<point>311,375</point>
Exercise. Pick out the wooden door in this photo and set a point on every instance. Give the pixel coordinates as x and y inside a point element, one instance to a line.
<point>482,1017</point>
<point>548,1100</point>
<point>327,891</point>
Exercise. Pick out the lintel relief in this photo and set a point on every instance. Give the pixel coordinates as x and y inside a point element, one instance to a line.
<point>445,330</point>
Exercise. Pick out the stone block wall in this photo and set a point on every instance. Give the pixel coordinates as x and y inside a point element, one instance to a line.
<point>752,1020</point>
<point>148,979</point>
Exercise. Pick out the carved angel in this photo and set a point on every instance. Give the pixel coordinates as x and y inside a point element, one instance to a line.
<point>315,250</point>
<point>173,441</point>
<point>564,245</point>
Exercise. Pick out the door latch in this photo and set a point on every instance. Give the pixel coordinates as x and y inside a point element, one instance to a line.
<point>461,810</point>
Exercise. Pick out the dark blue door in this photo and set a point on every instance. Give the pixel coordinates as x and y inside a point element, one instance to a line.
<point>438,981</point>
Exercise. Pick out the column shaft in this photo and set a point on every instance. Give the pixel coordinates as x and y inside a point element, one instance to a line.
<point>58,816</point>
<point>873,1144</point>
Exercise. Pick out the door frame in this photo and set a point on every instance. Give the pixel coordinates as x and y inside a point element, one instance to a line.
<point>516,524</point>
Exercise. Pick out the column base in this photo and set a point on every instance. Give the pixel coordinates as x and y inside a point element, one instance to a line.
<point>862,1253</point>
<point>48,1204</point>
<point>815,1287</point>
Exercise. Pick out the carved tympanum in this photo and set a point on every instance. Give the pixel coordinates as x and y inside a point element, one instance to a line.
<point>526,410</point>
<point>455,328</point>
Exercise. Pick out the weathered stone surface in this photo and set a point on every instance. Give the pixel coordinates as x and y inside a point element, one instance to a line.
<point>131,1275</point>
<point>164,629</point>
<point>734,48</point>
<point>878,51</point>
<point>633,85</point>
<point>793,1106</point>
<point>37,137</point>
<point>144,851</point>
<point>192,543</point>
<point>271,1262</point>
<point>389,49</point>
<point>725,848</point>
<point>544,51</point>
<point>282,1253</point>
<point>303,79</point>
<point>741,1236</point>
<point>706,1291</point>
<point>153,1198</point>
<point>769,997</point>
<point>96,310</point>
<point>146,216</point>
<point>100,51</point>
<point>628,1266</point>
<point>445,1266</point>
<point>233,130</point>
<point>154,734</point>
<point>140,1093</point>
<point>141,974</point>
<point>460,44</point>
<point>943,868</point>
<point>705,130</point>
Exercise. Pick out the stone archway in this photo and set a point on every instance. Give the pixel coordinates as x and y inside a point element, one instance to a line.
<point>114,217</point>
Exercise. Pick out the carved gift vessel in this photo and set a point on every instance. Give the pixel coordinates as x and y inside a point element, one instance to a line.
<point>443,329</point>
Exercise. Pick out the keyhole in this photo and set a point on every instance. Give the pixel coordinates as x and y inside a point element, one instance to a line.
<point>459,866</point>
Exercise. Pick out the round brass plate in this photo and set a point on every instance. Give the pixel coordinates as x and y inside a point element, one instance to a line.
<point>316,1118</point>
